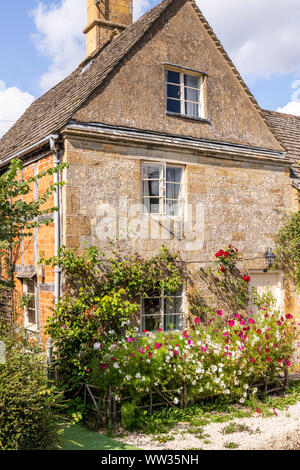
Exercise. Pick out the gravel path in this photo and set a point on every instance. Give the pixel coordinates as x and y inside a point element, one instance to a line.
<point>277,432</point>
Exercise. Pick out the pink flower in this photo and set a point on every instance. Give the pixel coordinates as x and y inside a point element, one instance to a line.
<point>132,354</point>
<point>231,323</point>
<point>288,363</point>
<point>220,313</point>
<point>268,359</point>
<point>158,345</point>
<point>288,316</point>
<point>280,360</point>
<point>159,330</point>
<point>150,354</point>
<point>203,349</point>
<point>251,321</point>
<point>197,320</point>
<point>226,334</point>
<point>238,316</point>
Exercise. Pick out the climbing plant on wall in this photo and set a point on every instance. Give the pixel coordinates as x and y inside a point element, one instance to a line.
<point>287,248</point>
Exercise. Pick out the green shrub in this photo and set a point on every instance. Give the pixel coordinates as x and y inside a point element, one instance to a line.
<point>28,406</point>
<point>128,411</point>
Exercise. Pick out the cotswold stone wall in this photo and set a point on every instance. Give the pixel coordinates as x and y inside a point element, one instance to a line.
<point>236,202</point>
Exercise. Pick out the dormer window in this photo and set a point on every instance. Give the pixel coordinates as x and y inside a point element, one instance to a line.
<point>185,93</point>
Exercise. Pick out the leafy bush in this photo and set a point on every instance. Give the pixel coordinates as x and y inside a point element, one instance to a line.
<point>28,406</point>
<point>101,300</point>
<point>287,248</point>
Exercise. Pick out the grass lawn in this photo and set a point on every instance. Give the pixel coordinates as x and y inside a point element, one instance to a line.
<point>75,437</point>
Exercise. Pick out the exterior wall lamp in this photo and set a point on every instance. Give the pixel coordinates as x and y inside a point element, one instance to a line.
<point>270,258</point>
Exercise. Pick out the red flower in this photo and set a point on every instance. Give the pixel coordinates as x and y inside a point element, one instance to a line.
<point>159,330</point>
<point>252,359</point>
<point>226,254</point>
<point>223,269</point>
<point>103,366</point>
<point>258,411</point>
<point>144,331</point>
<point>258,332</point>
<point>246,278</point>
<point>274,411</point>
<point>88,370</point>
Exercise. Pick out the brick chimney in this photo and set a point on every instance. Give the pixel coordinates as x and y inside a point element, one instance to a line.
<point>106,18</point>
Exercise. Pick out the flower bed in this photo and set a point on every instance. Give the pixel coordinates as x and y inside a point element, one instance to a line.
<point>228,358</point>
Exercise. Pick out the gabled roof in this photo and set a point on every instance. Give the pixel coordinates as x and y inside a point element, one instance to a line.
<point>52,111</point>
<point>287,129</point>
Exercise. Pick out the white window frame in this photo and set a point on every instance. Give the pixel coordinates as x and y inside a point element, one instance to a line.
<point>30,326</point>
<point>162,313</point>
<point>163,189</point>
<point>201,103</point>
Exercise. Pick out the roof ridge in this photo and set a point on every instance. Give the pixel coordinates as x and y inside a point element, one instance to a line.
<point>59,115</point>
<point>237,74</point>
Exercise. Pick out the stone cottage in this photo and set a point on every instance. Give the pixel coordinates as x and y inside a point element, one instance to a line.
<point>165,145</point>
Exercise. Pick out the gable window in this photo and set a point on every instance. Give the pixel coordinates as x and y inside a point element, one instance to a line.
<point>30,311</point>
<point>162,189</point>
<point>163,311</point>
<point>184,93</point>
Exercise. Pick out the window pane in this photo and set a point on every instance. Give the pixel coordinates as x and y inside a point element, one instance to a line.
<point>151,172</point>
<point>151,306</point>
<point>173,208</point>
<point>173,91</point>
<point>190,80</point>
<point>173,322</point>
<point>151,205</point>
<point>174,174</point>
<point>192,109</point>
<point>191,95</point>
<point>30,287</point>
<point>173,305</point>
<point>173,190</point>
<point>151,188</point>
<point>172,77</point>
<point>151,322</point>
<point>31,316</point>
<point>173,106</point>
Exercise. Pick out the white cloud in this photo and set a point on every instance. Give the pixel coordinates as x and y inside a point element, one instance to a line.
<point>59,37</point>
<point>293,107</point>
<point>140,7</point>
<point>13,103</point>
<point>262,37</point>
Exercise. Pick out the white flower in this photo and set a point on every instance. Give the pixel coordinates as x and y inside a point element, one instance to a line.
<point>116,365</point>
<point>242,400</point>
<point>246,386</point>
<point>97,346</point>
<point>138,375</point>
<point>127,377</point>
<point>176,401</point>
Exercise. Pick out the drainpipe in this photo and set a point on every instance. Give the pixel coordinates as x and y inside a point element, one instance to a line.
<point>54,148</point>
